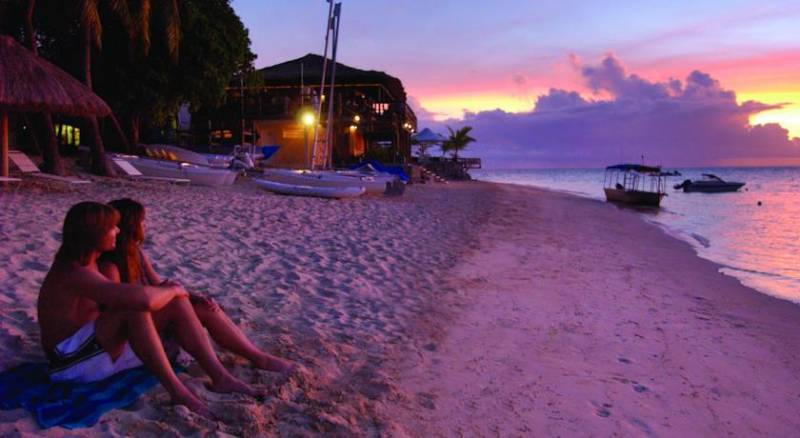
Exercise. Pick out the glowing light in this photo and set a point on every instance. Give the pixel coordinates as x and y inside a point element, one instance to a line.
<point>788,116</point>
<point>353,128</point>
<point>307,118</point>
<point>356,118</point>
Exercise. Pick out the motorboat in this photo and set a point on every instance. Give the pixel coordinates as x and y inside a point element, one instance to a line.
<point>709,184</point>
<point>198,175</point>
<point>314,191</point>
<point>635,184</point>
<point>323,178</point>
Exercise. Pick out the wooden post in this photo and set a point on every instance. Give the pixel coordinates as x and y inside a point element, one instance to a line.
<point>4,147</point>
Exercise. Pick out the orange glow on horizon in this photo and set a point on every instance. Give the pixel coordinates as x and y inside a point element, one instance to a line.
<point>454,106</point>
<point>788,116</point>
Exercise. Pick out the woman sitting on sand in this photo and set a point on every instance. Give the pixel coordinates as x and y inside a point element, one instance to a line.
<point>127,263</point>
<point>84,343</point>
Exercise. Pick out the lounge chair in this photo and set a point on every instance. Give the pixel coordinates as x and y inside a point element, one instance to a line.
<point>6,181</point>
<point>26,166</point>
<point>133,173</point>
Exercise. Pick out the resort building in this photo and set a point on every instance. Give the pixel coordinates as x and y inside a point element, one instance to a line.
<point>371,117</point>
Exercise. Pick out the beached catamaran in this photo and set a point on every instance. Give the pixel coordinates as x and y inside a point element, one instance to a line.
<point>326,182</point>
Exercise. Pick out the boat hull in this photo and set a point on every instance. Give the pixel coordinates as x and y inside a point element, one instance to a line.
<point>716,187</point>
<point>318,192</point>
<point>650,199</point>
<point>198,175</point>
<point>324,179</point>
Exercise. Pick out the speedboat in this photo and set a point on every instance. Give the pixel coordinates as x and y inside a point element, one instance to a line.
<point>709,184</point>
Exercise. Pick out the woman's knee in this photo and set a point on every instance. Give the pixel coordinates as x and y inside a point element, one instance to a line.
<point>205,304</point>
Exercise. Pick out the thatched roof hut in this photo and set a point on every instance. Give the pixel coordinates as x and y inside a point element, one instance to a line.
<point>29,83</point>
<point>288,73</point>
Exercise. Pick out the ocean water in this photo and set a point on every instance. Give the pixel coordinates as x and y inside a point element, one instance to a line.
<point>758,244</point>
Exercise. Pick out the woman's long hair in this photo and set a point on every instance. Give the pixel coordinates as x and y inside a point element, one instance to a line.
<point>131,235</point>
<point>84,226</point>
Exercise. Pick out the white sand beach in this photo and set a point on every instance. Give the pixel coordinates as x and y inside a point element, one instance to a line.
<point>581,319</point>
<point>462,309</point>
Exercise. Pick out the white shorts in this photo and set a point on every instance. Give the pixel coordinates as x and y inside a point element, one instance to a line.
<point>79,358</point>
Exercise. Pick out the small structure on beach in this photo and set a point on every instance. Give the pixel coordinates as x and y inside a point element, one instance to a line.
<point>456,168</point>
<point>28,83</point>
<point>372,118</point>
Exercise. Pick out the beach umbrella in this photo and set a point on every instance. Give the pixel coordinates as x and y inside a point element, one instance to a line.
<point>425,138</point>
<point>428,136</point>
<point>29,83</point>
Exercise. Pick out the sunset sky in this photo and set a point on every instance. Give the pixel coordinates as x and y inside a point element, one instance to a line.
<point>478,57</point>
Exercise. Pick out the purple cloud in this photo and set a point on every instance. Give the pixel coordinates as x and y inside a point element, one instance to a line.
<point>694,122</point>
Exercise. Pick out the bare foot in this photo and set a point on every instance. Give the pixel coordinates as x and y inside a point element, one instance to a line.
<point>194,404</point>
<point>276,364</point>
<point>229,384</point>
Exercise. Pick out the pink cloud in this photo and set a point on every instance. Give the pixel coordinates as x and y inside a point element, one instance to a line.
<point>675,123</point>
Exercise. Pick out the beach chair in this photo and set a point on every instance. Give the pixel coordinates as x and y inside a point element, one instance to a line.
<point>133,173</point>
<point>7,181</point>
<point>28,168</point>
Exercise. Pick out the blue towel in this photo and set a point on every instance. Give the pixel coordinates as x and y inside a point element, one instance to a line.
<point>70,405</point>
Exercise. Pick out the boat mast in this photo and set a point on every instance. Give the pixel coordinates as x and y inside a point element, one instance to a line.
<point>329,130</point>
<point>328,28</point>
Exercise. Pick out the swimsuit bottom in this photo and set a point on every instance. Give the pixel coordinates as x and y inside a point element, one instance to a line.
<point>80,358</point>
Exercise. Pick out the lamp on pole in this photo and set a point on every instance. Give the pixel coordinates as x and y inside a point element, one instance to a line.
<point>307,118</point>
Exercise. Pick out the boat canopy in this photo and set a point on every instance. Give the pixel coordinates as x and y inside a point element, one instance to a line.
<point>713,177</point>
<point>635,168</point>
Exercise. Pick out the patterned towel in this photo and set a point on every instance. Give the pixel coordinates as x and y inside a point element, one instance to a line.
<point>70,405</point>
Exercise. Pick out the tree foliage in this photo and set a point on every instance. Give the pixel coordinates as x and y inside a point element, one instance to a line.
<point>457,141</point>
<point>154,56</point>
<point>214,47</point>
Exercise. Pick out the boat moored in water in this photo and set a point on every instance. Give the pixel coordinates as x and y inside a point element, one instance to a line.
<point>635,184</point>
<point>709,184</point>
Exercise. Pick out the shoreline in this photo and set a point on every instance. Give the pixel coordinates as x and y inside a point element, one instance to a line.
<point>587,318</point>
<point>695,241</point>
<point>381,298</point>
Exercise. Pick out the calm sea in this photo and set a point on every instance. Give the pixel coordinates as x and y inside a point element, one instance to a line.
<point>759,245</point>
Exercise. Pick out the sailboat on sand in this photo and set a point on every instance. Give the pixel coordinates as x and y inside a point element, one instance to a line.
<point>325,182</point>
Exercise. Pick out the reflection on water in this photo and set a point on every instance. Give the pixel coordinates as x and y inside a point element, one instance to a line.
<point>758,244</point>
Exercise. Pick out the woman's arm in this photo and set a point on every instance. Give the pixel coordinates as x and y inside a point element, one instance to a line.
<point>99,288</point>
<point>148,270</point>
<point>111,271</point>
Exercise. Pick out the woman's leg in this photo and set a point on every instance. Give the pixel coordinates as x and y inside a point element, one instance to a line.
<point>229,337</point>
<point>192,338</point>
<point>114,328</point>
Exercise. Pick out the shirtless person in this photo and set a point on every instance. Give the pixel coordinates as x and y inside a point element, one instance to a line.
<point>93,327</point>
<point>127,263</point>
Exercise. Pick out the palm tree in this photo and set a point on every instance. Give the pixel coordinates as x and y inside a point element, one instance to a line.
<point>92,31</point>
<point>136,26</point>
<point>140,30</point>
<point>458,140</point>
<point>52,160</point>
